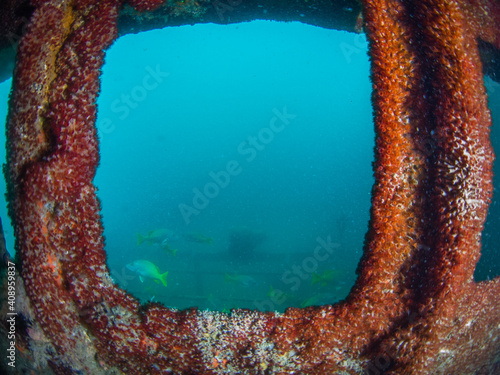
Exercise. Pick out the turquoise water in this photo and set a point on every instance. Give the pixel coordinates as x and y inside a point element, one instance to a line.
<point>247,150</point>
<point>256,140</point>
<point>488,266</point>
<point>7,227</point>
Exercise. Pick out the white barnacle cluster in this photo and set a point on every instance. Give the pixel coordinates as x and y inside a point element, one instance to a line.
<point>105,279</point>
<point>263,357</point>
<point>464,169</point>
<point>213,337</point>
<point>239,339</point>
<point>249,327</point>
<point>247,323</point>
<point>287,360</point>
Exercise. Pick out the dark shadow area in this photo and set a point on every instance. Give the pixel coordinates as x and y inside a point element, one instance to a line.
<point>243,242</point>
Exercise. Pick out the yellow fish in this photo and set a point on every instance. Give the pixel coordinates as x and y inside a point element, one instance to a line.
<point>279,295</point>
<point>147,269</point>
<point>198,238</point>
<point>320,299</point>
<point>244,280</point>
<point>155,237</point>
<point>166,247</point>
<point>326,277</point>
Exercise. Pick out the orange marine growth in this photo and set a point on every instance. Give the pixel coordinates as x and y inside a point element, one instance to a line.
<point>415,307</point>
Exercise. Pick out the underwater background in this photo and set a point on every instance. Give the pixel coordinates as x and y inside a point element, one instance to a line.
<point>238,159</point>
<point>247,143</point>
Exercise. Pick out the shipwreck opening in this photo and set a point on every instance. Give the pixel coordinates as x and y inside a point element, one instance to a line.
<point>237,159</point>
<point>82,322</point>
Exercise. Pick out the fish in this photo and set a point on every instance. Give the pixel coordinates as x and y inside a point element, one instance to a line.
<point>244,280</point>
<point>149,270</point>
<point>278,295</point>
<point>167,248</point>
<point>320,299</point>
<point>198,238</point>
<point>327,277</point>
<point>156,237</point>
